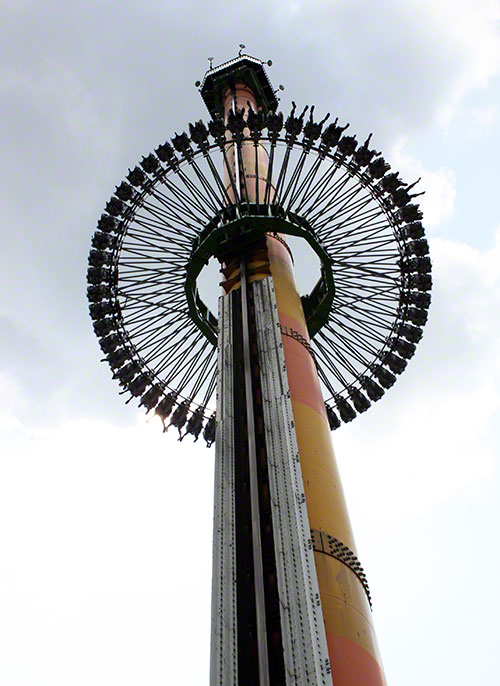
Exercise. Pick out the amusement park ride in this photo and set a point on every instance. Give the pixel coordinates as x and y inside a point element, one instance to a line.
<point>273,372</point>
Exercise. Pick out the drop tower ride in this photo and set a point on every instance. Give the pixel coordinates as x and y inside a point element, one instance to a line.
<point>290,601</point>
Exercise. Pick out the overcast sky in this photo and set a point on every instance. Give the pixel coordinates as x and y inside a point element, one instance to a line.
<point>105,522</point>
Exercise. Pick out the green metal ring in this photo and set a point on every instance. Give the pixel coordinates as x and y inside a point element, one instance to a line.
<point>221,239</point>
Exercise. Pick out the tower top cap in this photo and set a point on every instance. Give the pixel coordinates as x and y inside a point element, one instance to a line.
<point>242,69</point>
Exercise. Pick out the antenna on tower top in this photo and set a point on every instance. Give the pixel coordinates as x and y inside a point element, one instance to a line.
<point>242,47</point>
<point>210,61</point>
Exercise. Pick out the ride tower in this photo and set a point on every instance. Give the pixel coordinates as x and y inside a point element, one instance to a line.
<point>290,600</point>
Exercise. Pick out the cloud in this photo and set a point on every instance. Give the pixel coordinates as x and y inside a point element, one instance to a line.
<point>439,185</point>
<point>481,119</point>
<point>393,67</point>
<point>10,389</point>
<point>472,29</point>
<point>106,546</point>
<point>433,437</point>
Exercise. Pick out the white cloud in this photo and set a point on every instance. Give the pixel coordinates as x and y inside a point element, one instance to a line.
<point>471,30</point>
<point>395,66</point>
<point>106,552</point>
<point>480,120</point>
<point>439,185</point>
<point>437,436</point>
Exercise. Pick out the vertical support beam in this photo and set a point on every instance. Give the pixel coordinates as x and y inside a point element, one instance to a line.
<point>224,633</point>
<point>236,152</point>
<point>254,488</point>
<point>263,556</point>
<point>305,649</point>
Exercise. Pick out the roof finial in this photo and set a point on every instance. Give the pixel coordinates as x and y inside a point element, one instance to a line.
<point>210,60</point>
<point>242,47</point>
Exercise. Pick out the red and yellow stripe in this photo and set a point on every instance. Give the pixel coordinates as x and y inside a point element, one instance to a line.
<point>350,634</point>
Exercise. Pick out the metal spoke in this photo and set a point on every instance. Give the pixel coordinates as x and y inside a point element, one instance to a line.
<point>356,222</point>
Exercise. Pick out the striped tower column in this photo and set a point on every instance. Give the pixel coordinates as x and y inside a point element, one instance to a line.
<point>344,594</point>
<point>352,644</point>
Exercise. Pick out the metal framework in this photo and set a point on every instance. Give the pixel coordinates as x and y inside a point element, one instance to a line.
<point>174,211</point>
<point>289,608</point>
